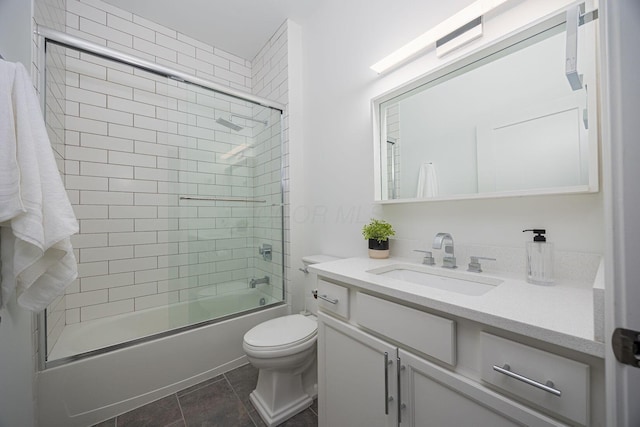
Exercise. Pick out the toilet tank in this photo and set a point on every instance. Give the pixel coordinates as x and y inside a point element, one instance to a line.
<point>309,283</point>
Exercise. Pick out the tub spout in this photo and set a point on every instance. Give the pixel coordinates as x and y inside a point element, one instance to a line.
<point>253,282</point>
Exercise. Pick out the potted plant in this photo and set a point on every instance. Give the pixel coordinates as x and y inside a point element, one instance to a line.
<point>378,233</point>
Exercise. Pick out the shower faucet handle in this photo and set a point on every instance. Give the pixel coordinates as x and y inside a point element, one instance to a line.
<point>265,250</point>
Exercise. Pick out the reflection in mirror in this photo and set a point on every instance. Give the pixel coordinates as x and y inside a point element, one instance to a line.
<point>505,123</point>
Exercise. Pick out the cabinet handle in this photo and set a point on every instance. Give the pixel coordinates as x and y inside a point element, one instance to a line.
<point>324,297</point>
<point>549,387</point>
<point>328,299</point>
<point>400,405</point>
<point>387,399</point>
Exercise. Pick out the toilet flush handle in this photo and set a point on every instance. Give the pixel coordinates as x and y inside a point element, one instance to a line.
<point>324,297</point>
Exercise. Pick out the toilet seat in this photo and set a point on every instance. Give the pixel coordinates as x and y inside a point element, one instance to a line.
<point>282,335</point>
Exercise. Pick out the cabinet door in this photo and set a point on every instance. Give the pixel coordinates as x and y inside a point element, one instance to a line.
<point>355,385</point>
<point>432,396</point>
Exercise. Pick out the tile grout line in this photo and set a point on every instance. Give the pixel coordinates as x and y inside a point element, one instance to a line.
<point>311,409</point>
<point>184,421</point>
<point>205,383</point>
<point>240,400</point>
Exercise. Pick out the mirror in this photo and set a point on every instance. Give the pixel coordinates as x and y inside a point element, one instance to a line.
<point>503,121</point>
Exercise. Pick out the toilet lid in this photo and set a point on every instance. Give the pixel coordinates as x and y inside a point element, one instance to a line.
<point>281,331</point>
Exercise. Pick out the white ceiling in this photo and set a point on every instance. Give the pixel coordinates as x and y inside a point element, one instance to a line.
<point>241,27</point>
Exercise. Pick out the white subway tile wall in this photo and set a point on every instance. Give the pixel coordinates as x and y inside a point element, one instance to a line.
<point>269,75</point>
<point>132,142</point>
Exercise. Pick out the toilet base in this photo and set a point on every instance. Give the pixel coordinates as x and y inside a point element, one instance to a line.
<point>278,397</point>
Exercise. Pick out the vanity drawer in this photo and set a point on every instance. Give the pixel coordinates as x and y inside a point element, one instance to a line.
<point>567,376</point>
<point>333,298</point>
<point>432,335</point>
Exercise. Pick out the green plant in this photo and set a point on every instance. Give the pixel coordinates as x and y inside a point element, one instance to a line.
<point>379,230</point>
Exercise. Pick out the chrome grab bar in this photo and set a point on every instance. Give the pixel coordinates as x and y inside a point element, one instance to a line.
<point>549,387</point>
<point>223,199</point>
<point>324,297</point>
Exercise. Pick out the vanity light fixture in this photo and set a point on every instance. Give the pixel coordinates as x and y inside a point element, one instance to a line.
<point>462,28</point>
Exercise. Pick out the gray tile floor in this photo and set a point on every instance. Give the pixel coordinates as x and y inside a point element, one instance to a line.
<point>222,401</point>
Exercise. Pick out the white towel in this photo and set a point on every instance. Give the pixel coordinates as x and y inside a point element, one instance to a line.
<point>36,253</point>
<point>10,203</point>
<point>427,181</point>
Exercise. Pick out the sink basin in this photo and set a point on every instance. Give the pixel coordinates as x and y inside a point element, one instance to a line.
<point>448,280</point>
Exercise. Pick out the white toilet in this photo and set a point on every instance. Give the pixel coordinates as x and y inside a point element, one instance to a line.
<point>284,351</point>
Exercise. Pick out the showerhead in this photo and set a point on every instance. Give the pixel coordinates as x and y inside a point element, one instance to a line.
<point>228,124</point>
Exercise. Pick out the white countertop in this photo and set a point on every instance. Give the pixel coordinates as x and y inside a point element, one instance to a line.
<point>561,314</point>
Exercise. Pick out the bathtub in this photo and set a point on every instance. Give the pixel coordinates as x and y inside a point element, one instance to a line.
<point>79,338</point>
<point>92,389</point>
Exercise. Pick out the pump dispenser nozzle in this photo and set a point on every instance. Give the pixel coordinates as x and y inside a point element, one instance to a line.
<point>539,234</point>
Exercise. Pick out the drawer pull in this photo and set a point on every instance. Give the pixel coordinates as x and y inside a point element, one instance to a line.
<point>548,387</point>
<point>324,297</point>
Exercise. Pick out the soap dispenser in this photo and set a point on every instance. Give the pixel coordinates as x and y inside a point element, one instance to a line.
<point>539,259</point>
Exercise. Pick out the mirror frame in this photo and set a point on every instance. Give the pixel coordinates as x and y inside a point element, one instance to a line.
<point>504,42</point>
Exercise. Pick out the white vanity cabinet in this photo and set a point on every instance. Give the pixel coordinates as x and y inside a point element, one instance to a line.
<point>357,377</point>
<point>384,363</point>
<point>362,379</point>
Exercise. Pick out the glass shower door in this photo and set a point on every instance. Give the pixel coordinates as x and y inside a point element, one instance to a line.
<point>178,193</point>
<point>230,205</point>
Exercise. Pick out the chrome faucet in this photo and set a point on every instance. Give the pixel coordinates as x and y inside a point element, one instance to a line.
<point>448,261</point>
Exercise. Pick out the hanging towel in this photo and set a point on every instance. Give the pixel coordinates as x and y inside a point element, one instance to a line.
<point>36,253</point>
<point>10,203</point>
<point>427,181</point>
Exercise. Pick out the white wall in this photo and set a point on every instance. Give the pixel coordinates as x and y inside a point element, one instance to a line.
<point>15,31</point>
<point>338,158</point>
<point>17,367</point>
<point>16,349</point>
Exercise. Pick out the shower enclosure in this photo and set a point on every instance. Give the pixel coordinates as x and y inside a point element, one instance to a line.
<point>178,191</point>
